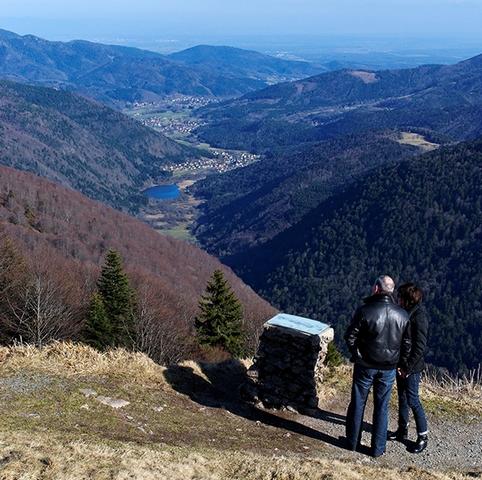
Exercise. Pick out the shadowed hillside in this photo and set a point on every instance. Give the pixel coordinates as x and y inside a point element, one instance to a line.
<point>417,221</point>
<point>249,206</point>
<point>81,144</point>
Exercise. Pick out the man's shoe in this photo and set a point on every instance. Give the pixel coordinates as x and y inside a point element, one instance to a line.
<point>378,454</point>
<point>400,435</point>
<point>420,444</point>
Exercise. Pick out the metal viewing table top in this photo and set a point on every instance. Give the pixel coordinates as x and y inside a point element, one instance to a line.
<point>300,324</point>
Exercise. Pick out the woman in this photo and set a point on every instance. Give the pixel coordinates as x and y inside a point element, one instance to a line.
<point>408,378</point>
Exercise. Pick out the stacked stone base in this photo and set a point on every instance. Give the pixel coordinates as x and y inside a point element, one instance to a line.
<point>288,369</point>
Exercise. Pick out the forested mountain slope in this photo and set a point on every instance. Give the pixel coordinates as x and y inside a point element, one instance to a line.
<point>249,206</point>
<point>418,221</point>
<point>116,75</point>
<point>444,99</point>
<point>80,144</point>
<point>237,62</point>
<point>67,235</point>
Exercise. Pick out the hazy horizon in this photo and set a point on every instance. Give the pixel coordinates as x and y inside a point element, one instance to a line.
<point>378,23</point>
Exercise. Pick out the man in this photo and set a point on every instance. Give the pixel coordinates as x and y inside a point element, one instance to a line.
<point>379,341</point>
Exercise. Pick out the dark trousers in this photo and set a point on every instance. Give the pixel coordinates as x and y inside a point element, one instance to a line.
<point>408,399</point>
<point>382,382</point>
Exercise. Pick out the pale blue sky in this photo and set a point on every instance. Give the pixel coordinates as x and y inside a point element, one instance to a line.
<point>110,18</point>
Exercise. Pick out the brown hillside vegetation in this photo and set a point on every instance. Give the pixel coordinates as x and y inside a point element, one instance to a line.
<point>79,143</point>
<point>181,423</point>
<point>67,234</point>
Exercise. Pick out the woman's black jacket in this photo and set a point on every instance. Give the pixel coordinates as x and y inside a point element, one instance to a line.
<point>419,334</point>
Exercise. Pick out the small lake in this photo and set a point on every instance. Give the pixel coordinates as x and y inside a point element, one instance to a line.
<point>163,192</point>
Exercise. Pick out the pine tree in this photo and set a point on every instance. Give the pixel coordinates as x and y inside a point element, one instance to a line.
<point>118,300</point>
<point>219,323</point>
<point>98,332</point>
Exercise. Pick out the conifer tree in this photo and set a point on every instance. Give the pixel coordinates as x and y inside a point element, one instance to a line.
<point>118,300</point>
<point>98,332</point>
<point>219,323</point>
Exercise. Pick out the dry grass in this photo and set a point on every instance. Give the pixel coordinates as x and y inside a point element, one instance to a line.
<point>417,140</point>
<point>445,394</point>
<point>70,359</point>
<point>365,77</point>
<point>25,458</point>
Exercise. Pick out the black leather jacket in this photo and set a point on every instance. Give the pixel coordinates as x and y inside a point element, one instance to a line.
<point>379,334</point>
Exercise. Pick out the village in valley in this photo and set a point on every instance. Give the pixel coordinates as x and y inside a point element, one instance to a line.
<point>175,117</point>
<point>222,161</point>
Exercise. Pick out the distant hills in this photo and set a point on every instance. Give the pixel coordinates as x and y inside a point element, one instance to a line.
<point>69,235</point>
<point>115,75</point>
<point>418,221</point>
<point>236,62</point>
<point>81,144</point>
<point>445,100</point>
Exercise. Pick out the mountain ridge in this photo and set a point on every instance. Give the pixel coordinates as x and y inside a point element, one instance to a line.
<point>241,62</point>
<point>444,99</point>
<point>117,74</point>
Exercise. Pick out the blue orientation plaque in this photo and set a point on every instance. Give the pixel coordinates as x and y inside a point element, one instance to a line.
<point>300,324</point>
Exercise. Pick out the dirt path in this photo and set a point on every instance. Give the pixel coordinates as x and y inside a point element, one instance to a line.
<point>455,439</point>
<point>454,443</point>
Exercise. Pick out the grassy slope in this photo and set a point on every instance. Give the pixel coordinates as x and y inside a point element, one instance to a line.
<point>171,429</point>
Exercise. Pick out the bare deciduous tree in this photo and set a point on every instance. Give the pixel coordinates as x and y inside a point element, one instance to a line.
<point>40,313</point>
<point>157,334</point>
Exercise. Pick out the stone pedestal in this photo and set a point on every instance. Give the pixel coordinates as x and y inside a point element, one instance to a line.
<point>289,365</point>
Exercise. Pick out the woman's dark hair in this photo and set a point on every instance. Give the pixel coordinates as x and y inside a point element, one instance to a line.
<point>410,295</point>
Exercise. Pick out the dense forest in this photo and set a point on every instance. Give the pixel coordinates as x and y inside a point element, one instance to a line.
<point>81,144</point>
<point>417,221</point>
<point>55,240</point>
<point>247,207</point>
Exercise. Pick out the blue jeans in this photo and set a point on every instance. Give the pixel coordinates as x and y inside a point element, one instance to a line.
<point>382,382</point>
<point>408,399</point>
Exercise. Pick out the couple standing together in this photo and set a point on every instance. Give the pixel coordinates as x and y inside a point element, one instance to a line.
<point>387,341</point>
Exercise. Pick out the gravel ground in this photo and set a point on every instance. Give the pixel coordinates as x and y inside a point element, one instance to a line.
<point>453,444</point>
<point>25,385</point>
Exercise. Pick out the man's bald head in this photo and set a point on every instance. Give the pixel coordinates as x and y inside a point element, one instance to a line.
<point>384,284</point>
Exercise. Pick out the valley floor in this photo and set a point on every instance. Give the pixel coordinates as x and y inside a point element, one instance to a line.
<point>186,422</point>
